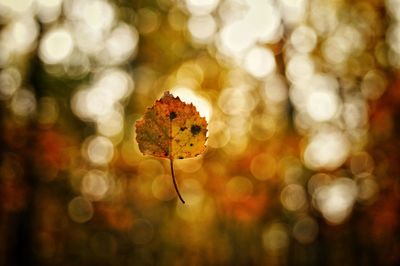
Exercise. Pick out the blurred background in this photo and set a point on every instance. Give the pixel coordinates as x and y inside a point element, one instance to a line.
<point>302,98</point>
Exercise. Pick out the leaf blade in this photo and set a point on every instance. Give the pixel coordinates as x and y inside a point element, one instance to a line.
<point>171,129</point>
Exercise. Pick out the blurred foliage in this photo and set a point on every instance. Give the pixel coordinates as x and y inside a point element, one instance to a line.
<point>301,167</point>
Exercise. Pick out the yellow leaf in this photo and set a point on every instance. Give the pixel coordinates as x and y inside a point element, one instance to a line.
<point>171,129</point>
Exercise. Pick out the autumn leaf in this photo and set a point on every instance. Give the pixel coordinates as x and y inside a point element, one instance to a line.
<point>171,129</point>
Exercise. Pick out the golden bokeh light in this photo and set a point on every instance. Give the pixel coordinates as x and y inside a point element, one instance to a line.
<point>275,238</point>
<point>80,209</point>
<point>100,150</point>
<point>219,134</point>
<point>120,45</point>
<point>275,90</point>
<point>20,35</point>
<point>15,7</point>
<point>48,10</point>
<point>304,39</point>
<point>23,103</point>
<point>335,200</point>
<point>259,62</point>
<point>368,190</point>
<point>202,28</point>
<point>148,21</point>
<point>10,80</point>
<point>326,150</point>
<point>111,124</point>
<point>236,101</point>
<point>322,105</point>
<point>293,197</point>
<point>300,67</point>
<point>373,85</point>
<point>201,7</point>
<point>95,185</point>
<point>259,22</point>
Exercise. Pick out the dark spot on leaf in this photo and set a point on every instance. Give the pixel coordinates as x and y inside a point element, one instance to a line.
<point>183,128</point>
<point>195,129</point>
<point>172,116</point>
<point>191,144</point>
<point>180,157</point>
<point>166,153</point>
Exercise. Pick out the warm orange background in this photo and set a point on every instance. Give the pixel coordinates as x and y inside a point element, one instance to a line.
<point>302,159</point>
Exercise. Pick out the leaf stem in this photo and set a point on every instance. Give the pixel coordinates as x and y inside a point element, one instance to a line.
<point>174,181</point>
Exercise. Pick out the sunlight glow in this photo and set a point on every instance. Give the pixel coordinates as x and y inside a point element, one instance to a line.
<point>336,200</point>
<point>20,35</point>
<point>111,124</point>
<point>187,95</point>
<point>116,84</point>
<point>56,46</point>
<point>293,11</point>
<point>218,134</point>
<point>95,185</point>
<point>259,62</point>
<point>326,150</point>
<point>275,89</point>
<point>10,7</point>
<point>299,68</point>
<point>48,10</point>
<point>322,105</point>
<point>201,7</point>
<point>120,45</point>
<point>10,80</point>
<point>236,100</point>
<point>202,28</point>
<point>260,22</point>
<point>98,103</point>
<point>343,43</point>
<point>303,39</point>
<point>23,103</point>
<point>100,150</point>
